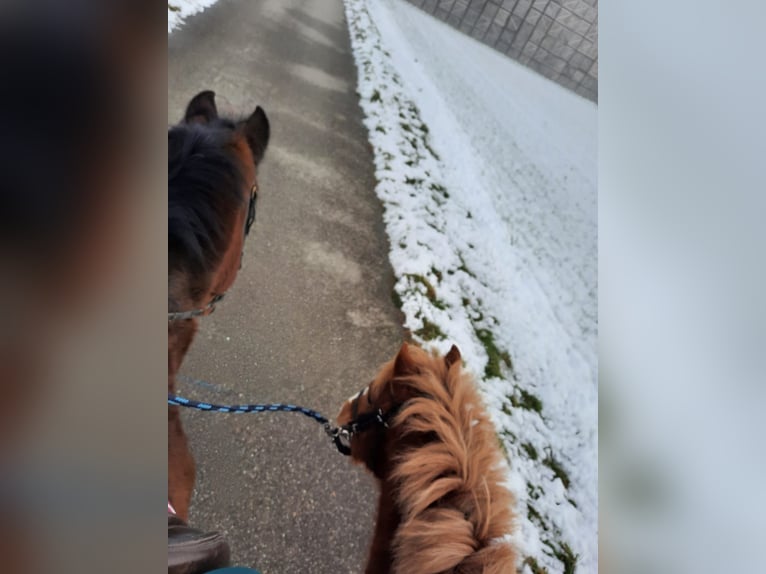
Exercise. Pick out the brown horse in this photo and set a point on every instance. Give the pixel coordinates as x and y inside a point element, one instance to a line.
<point>442,508</point>
<point>212,164</point>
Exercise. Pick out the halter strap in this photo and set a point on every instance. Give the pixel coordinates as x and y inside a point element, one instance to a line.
<point>201,312</point>
<point>251,209</point>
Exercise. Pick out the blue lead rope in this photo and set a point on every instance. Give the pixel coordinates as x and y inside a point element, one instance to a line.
<point>178,401</point>
<point>339,435</point>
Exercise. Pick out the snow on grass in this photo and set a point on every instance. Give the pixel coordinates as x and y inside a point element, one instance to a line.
<point>487,174</point>
<point>179,10</point>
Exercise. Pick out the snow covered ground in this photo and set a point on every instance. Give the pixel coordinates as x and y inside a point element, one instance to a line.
<point>487,173</point>
<point>179,10</point>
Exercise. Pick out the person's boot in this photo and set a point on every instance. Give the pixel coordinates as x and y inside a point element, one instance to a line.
<point>191,551</point>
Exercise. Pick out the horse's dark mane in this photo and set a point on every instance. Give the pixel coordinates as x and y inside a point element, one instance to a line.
<point>204,193</point>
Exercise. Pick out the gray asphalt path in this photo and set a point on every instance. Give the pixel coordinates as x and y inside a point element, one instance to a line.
<point>310,318</point>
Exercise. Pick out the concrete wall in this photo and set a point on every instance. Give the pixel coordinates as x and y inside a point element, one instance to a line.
<point>557,38</point>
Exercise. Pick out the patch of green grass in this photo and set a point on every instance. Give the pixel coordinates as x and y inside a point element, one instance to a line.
<point>505,408</point>
<point>376,97</point>
<point>430,331</point>
<point>501,442</point>
<point>494,355</point>
<point>437,273</point>
<point>402,245</point>
<point>533,491</point>
<point>380,129</point>
<point>173,8</point>
<point>534,566</point>
<point>413,181</point>
<point>440,189</point>
<point>465,269</point>
<point>564,554</point>
<point>413,141</point>
<point>509,435</point>
<point>396,298</point>
<point>430,291</point>
<point>558,470</point>
<point>431,150</point>
<point>527,400</point>
<point>535,517</point>
<point>530,450</point>
<point>406,127</point>
<point>572,502</point>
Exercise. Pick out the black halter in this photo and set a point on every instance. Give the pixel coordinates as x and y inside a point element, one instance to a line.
<point>201,312</point>
<point>210,307</point>
<point>251,209</point>
<point>342,435</point>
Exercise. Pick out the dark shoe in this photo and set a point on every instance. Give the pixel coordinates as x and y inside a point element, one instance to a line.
<point>191,551</point>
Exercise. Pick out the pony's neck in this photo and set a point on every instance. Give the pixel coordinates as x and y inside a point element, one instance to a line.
<point>381,555</point>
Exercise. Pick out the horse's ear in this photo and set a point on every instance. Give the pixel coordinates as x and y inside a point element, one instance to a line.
<point>404,364</point>
<point>201,108</point>
<point>452,357</point>
<point>257,132</point>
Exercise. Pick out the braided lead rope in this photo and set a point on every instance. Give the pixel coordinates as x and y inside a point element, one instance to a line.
<point>179,401</point>
<point>341,436</point>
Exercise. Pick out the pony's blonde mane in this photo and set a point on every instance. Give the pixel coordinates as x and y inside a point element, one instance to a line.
<point>454,509</point>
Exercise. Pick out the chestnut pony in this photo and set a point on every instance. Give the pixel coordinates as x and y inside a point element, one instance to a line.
<point>442,507</point>
<point>212,164</point>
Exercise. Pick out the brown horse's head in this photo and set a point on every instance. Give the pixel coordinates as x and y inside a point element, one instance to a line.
<point>212,168</point>
<point>413,373</point>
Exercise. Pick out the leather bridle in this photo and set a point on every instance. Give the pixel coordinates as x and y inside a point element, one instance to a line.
<point>342,435</point>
